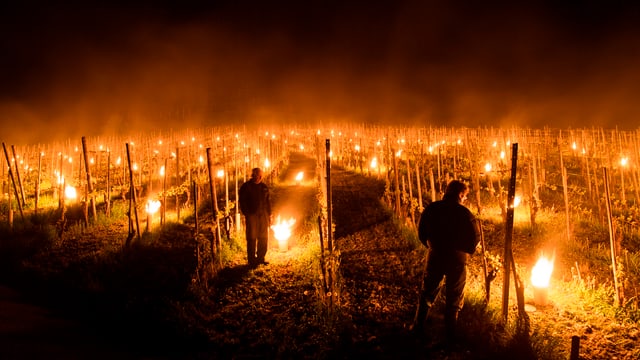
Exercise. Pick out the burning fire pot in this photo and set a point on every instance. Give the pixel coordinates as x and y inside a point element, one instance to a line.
<point>540,277</point>
<point>282,232</point>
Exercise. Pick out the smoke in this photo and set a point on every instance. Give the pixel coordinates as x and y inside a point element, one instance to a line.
<point>113,70</point>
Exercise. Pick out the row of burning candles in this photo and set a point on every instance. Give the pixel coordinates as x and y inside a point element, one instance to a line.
<point>540,274</point>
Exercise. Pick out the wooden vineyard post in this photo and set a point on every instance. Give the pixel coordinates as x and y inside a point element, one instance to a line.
<point>611,239</point>
<point>564,189</point>
<point>323,265</point>
<point>433,185</point>
<point>397,184</point>
<point>37,199</point>
<point>237,194</point>
<point>163,211</point>
<point>108,195</point>
<point>420,208</point>
<point>509,233</point>
<point>22,197</point>
<point>178,183</point>
<point>565,192</point>
<point>226,180</point>
<point>132,196</point>
<point>409,205</point>
<point>487,281</point>
<point>194,191</point>
<point>215,244</point>
<point>89,185</point>
<point>327,157</point>
<point>331,268</point>
<point>13,182</point>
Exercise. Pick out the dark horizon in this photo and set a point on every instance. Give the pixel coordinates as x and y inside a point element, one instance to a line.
<point>90,69</point>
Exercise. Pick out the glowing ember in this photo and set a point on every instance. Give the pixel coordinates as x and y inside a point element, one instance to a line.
<point>70,192</point>
<point>541,272</point>
<point>282,231</point>
<point>299,176</point>
<point>152,206</point>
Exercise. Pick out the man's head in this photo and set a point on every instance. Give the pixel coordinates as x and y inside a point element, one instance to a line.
<point>256,175</point>
<point>456,190</point>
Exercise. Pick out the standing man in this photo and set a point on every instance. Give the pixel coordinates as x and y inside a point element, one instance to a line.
<point>448,229</point>
<point>255,205</point>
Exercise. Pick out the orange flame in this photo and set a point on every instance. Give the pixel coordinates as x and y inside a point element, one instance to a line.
<point>282,231</point>
<point>541,272</point>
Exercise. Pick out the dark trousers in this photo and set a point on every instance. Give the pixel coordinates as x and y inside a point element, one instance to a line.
<point>257,234</point>
<point>450,266</point>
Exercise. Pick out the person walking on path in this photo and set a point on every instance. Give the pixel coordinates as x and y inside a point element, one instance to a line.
<point>449,230</point>
<point>255,205</point>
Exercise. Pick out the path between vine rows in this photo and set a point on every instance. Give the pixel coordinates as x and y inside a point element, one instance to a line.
<point>378,278</point>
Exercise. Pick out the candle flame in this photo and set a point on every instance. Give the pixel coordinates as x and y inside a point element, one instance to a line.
<point>541,272</point>
<point>282,230</point>
<point>152,206</point>
<point>516,201</point>
<point>70,192</point>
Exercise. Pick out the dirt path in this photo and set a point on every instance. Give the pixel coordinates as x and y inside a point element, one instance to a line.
<point>379,268</point>
<point>270,312</point>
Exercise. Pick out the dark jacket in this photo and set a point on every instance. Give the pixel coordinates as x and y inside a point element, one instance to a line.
<point>447,225</point>
<point>254,199</point>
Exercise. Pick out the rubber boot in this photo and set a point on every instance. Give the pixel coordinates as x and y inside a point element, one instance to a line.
<point>421,316</point>
<point>450,325</point>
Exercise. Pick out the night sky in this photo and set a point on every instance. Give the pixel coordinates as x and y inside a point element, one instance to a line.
<point>98,68</point>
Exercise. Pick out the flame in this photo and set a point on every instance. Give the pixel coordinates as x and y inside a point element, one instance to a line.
<point>299,176</point>
<point>541,272</point>
<point>152,206</point>
<point>70,192</point>
<point>282,231</point>
<point>516,201</point>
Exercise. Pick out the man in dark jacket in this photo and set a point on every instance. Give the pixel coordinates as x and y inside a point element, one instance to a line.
<point>448,229</point>
<point>255,205</point>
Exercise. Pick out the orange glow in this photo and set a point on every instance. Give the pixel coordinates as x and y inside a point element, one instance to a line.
<point>541,272</point>
<point>282,231</point>
<point>70,192</point>
<point>152,206</point>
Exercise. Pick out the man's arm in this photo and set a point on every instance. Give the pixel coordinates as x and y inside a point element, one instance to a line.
<point>423,228</point>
